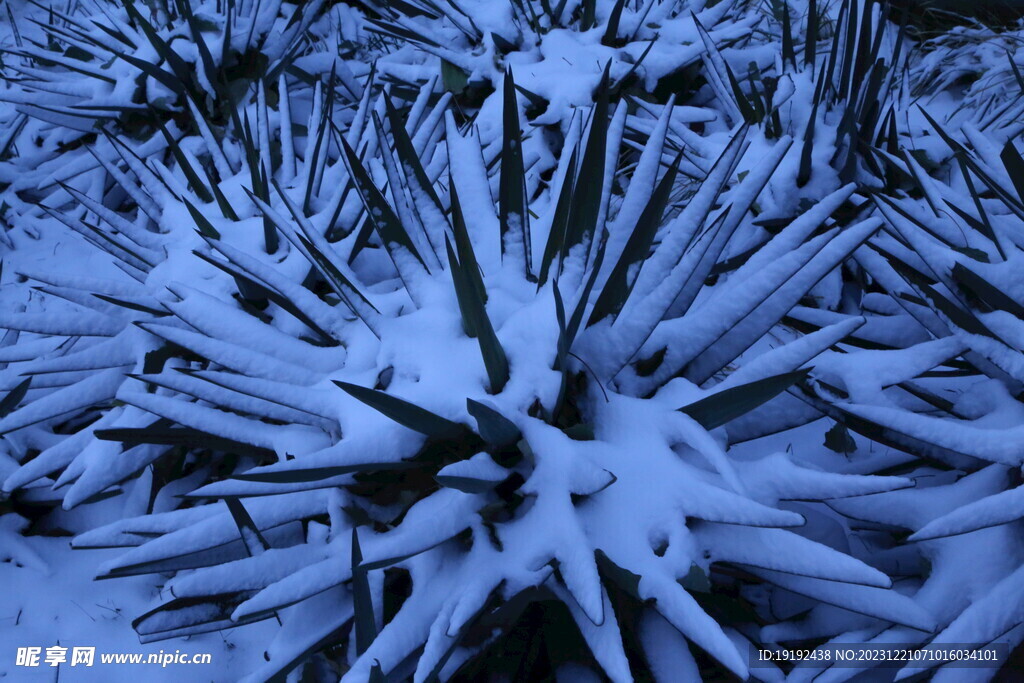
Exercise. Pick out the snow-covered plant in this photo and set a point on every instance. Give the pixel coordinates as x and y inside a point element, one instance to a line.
<point>476,339</point>
<point>560,50</point>
<point>980,65</point>
<point>427,426</point>
<point>940,383</point>
<point>834,80</point>
<point>118,68</point>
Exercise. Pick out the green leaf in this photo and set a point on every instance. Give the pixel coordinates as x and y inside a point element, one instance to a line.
<point>623,578</point>
<point>611,31</point>
<point>589,16</point>
<point>496,429</point>
<point>581,305</point>
<point>696,580</point>
<point>405,413</point>
<point>466,484</point>
<point>189,616</point>
<point>811,47</point>
<point>196,183</point>
<point>1014,165</point>
<point>180,436</point>
<point>155,72</point>
<point>311,474</point>
<point>806,153</point>
<point>14,397</point>
<point>838,439</point>
<point>365,625</point>
<point>788,51</point>
<point>254,542</point>
<point>464,246</point>
<point>205,227</point>
<point>325,123</point>
<point>728,404</point>
<point>130,305</point>
<point>407,154</point>
<point>254,284</point>
<point>587,192</point>
<point>383,217</point>
<point>963,319</point>
<point>513,216</point>
<point>616,288</point>
<point>474,314</point>
<point>559,223</point>
<point>988,294</point>
<point>453,79</point>
<point>181,69</point>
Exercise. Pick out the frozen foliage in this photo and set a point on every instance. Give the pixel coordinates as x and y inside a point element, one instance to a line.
<point>449,341</point>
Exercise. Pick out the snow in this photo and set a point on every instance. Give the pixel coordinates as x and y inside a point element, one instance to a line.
<point>875,499</point>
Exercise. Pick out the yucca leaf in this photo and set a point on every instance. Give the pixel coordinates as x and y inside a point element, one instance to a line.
<point>587,191</point>
<point>343,287</point>
<point>560,221</point>
<point>194,181</point>
<point>382,216</point>
<point>185,617</point>
<point>589,14</point>
<point>318,474</point>
<point>318,156</point>
<point>810,49</point>
<point>404,207</point>
<point>155,72</point>
<point>204,225</point>
<point>561,350</point>
<point>180,68</point>
<point>611,31</point>
<point>453,79</point>
<point>163,435</point>
<point>804,172</point>
<point>254,542</point>
<point>616,288</point>
<point>407,154</point>
<point>984,226</point>
<point>130,305</point>
<point>788,51</point>
<point>14,397</point>
<point>404,413</point>
<point>474,315</point>
<point>251,287</point>
<point>204,51</point>
<point>464,246</point>
<point>514,219</point>
<point>584,298</point>
<point>1014,165</point>
<point>493,427</point>
<point>990,295</point>
<point>466,484</point>
<point>223,204</point>
<point>747,110</point>
<point>365,624</point>
<point>728,404</point>
<point>626,580</point>
<point>285,534</point>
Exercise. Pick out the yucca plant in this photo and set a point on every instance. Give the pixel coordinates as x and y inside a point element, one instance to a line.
<point>837,77</point>
<point>564,42</point>
<point>124,69</point>
<point>476,376</point>
<point>981,61</point>
<point>508,423</point>
<point>943,391</point>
